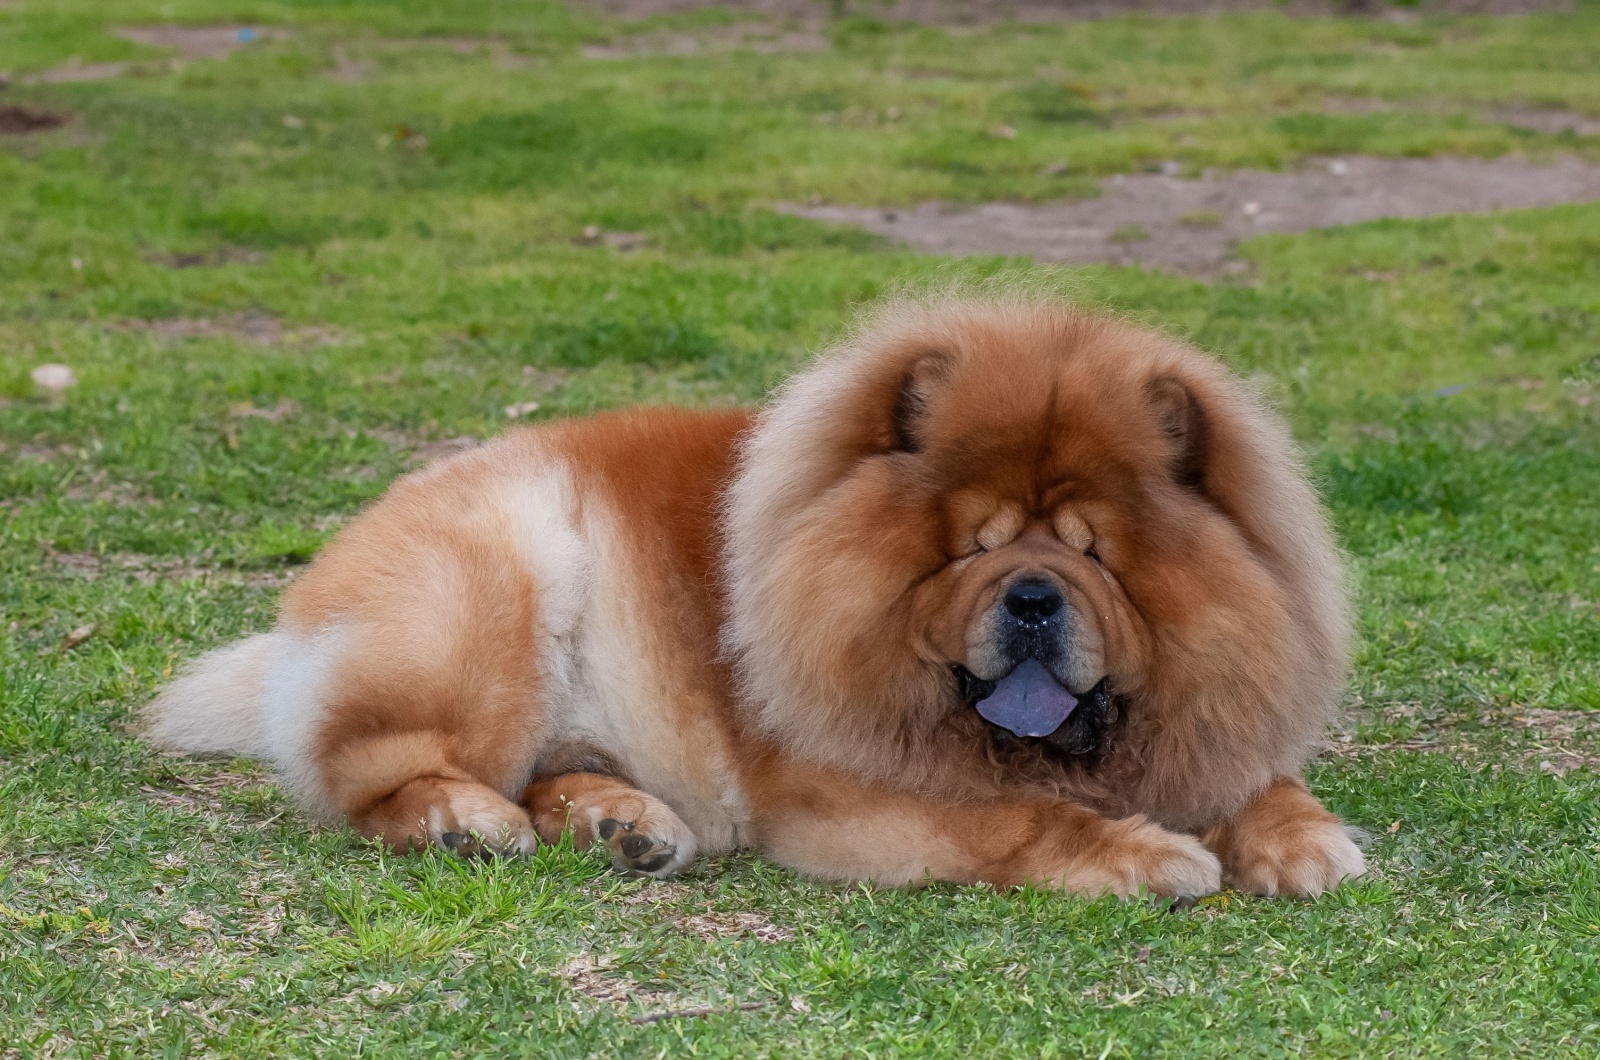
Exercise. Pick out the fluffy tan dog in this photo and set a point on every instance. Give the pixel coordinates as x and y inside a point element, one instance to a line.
<point>995,591</point>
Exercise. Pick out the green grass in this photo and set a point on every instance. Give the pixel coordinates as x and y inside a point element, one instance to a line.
<point>414,237</point>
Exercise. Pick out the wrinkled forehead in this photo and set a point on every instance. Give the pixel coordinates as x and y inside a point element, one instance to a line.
<point>1031,411</point>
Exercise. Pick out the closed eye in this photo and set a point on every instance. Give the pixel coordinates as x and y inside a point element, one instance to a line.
<point>1092,554</point>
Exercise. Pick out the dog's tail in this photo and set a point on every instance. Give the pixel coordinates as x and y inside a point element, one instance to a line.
<point>215,705</point>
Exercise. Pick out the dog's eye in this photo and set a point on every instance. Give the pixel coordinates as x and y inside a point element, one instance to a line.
<point>1092,554</point>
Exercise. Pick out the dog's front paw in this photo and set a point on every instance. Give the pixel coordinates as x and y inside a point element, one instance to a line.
<point>1134,856</point>
<point>659,845</point>
<point>1303,859</point>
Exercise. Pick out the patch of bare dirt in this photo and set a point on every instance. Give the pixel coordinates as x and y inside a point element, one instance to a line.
<point>76,70</point>
<point>595,236</point>
<point>188,793</point>
<point>733,925</point>
<point>350,71</point>
<point>191,42</point>
<point>656,893</point>
<point>148,570</point>
<point>20,121</point>
<point>596,978</point>
<point>284,409</point>
<point>1527,738</point>
<point>1193,225</point>
<point>208,259</point>
<point>251,326</point>
<point>499,52</point>
<point>761,39</point>
<point>1552,122</point>
<point>97,487</point>
<point>977,12</point>
<point>200,42</point>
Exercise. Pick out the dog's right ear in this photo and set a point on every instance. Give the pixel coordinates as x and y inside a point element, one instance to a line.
<point>912,399</point>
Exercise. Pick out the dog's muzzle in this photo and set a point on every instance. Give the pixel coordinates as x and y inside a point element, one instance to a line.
<point>1031,642</point>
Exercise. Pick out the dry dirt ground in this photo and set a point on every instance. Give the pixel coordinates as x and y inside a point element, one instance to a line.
<point>1193,225</point>
<point>959,12</point>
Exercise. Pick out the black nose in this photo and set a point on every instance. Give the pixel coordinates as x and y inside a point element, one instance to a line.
<point>1032,601</point>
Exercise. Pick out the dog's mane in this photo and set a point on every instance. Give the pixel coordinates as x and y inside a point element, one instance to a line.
<point>1193,744</point>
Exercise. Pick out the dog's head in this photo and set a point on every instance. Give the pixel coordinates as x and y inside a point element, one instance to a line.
<point>1011,532</point>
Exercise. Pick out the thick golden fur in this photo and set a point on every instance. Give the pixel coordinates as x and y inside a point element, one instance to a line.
<point>678,632</point>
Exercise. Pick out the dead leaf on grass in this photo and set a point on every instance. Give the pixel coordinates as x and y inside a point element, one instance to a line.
<point>276,414</point>
<point>77,636</point>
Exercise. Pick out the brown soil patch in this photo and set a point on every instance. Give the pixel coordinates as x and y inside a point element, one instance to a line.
<point>1528,738</point>
<point>96,486</point>
<point>594,977</point>
<point>733,925</point>
<point>199,42</point>
<point>761,39</point>
<point>20,121</point>
<point>76,70</point>
<point>626,242</point>
<point>971,12</point>
<point>251,326</point>
<point>1548,120</point>
<point>350,71</point>
<point>208,259</point>
<point>177,792</point>
<point>1193,225</point>
<point>658,893</point>
<point>148,570</point>
<point>284,409</point>
<point>1552,122</point>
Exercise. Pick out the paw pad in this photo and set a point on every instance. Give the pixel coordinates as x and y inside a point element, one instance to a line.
<point>632,852</point>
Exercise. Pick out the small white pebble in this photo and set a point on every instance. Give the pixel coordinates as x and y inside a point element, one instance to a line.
<point>292,122</point>
<point>1338,168</point>
<point>54,377</point>
<point>1002,132</point>
<point>521,409</point>
<point>77,264</point>
<point>1250,209</point>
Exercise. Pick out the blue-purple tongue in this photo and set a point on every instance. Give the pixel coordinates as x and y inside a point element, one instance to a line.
<point>1028,701</point>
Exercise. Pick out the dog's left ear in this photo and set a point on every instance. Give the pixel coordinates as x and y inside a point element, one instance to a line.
<point>1183,421</point>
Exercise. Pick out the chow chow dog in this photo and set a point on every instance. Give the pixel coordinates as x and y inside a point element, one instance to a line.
<point>997,590</point>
